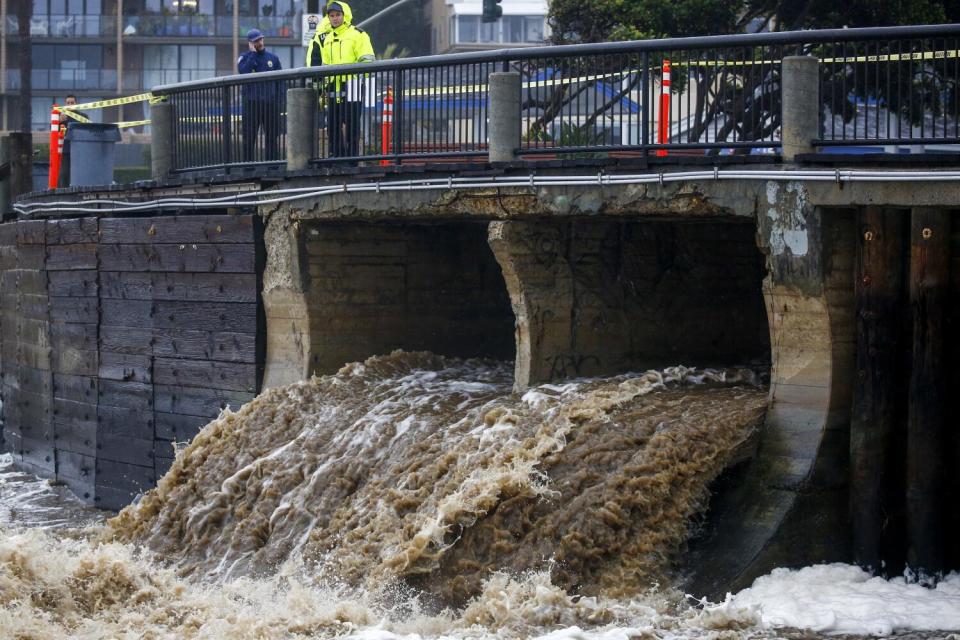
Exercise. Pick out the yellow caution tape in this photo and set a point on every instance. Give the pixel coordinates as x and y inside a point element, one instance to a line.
<point>113,102</point>
<point>132,123</point>
<point>75,116</point>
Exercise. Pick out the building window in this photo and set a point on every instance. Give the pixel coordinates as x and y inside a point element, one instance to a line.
<point>167,64</point>
<point>511,29</point>
<point>71,67</point>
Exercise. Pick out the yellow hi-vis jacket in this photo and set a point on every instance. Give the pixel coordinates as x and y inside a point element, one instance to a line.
<point>346,44</point>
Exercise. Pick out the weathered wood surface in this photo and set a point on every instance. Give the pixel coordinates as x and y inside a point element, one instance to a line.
<point>205,345</point>
<point>178,427</point>
<point>205,373</point>
<point>81,283</point>
<point>196,401</point>
<point>129,333</point>
<point>201,287</point>
<point>877,293</point>
<point>74,231</point>
<point>128,395</point>
<point>123,448</point>
<point>75,388</point>
<point>77,437</point>
<point>127,340</point>
<point>205,316</point>
<point>205,258</point>
<point>120,366</point>
<point>78,471</point>
<point>177,229</point>
<point>72,256</point>
<point>125,421</point>
<point>926,436</point>
<point>70,310</point>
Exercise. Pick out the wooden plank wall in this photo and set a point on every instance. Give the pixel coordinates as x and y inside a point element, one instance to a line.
<point>26,376</point>
<point>74,316</point>
<point>153,326</point>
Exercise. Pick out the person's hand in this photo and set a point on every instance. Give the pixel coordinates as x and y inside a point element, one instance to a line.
<point>251,47</point>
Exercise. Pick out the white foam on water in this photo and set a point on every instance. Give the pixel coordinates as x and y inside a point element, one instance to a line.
<point>843,599</point>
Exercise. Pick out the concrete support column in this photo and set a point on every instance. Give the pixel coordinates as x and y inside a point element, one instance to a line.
<point>162,117</point>
<point>285,304</point>
<point>791,506</point>
<point>540,283</point>
<point>801,105</point>
<point>301,127</point>
<point>504,126</point>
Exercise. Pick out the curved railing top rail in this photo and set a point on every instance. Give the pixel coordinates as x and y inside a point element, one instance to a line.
<point>559,51</point>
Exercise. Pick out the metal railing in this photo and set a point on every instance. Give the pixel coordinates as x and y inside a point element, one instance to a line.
<point>881,86</point>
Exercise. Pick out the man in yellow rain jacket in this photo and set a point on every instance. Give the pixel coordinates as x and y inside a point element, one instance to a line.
<point>341,43</point>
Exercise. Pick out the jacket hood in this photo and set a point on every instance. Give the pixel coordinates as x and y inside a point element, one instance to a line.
<point>347,12</point>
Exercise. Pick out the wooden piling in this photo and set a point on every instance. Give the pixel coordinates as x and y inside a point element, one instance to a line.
<point>929,286</point>
<point>877,291</point>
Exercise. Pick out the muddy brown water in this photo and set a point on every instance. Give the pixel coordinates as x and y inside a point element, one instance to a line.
<point>406,496</point>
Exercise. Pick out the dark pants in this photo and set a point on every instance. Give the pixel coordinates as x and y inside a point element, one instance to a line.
<point>261,114</point>
<point>343,129</point>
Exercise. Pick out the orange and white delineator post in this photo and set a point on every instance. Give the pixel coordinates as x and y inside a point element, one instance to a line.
<point>663,130</point>
<point>55,146</point>
<point>386,126</point>
<point>60,139</point>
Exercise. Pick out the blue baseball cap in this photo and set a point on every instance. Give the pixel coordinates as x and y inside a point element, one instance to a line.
<point>334,6</point>
<point>253,35</point>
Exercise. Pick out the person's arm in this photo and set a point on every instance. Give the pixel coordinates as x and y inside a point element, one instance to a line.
<point>247,62</point>
<point>313,52</point>
<point>365,48</point>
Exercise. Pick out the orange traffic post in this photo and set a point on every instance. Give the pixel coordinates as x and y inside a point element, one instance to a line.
<point>54,173</point>
<point>663,130</point>
<point>386,126</point>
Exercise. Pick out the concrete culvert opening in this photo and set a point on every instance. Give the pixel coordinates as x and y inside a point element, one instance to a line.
<point>374,288</point>
<point>602,297</point>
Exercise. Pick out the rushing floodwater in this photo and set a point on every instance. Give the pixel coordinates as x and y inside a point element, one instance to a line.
<point>418,497</point>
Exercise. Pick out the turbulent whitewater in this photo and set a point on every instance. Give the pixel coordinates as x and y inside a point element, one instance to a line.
<point>415,471</point>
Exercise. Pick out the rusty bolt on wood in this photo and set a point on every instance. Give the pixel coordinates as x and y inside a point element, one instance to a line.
<point>927,233</point>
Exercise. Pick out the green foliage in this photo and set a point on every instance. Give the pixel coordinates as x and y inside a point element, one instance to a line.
<point>605,20</point>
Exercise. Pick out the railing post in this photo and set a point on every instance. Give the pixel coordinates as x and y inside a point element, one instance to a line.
<point>801,105</point>
<point>398,89</point>
<point>161,140</point>
<point>301,127</point>
<point>504,127</point>
<point>226,125</point>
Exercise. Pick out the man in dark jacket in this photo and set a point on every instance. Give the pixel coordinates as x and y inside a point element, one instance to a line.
<point>262,101</point>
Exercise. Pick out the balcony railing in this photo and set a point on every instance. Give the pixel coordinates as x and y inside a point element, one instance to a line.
<point>97,26</point>
<point>883,86</point>
<point>65,26</point>
<point>66,80</point>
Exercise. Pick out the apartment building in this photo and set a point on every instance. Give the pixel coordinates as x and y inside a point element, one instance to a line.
<point>98,49</point>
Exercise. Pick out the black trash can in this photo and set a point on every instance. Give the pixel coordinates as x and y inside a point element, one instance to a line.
<point>92,153</point>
